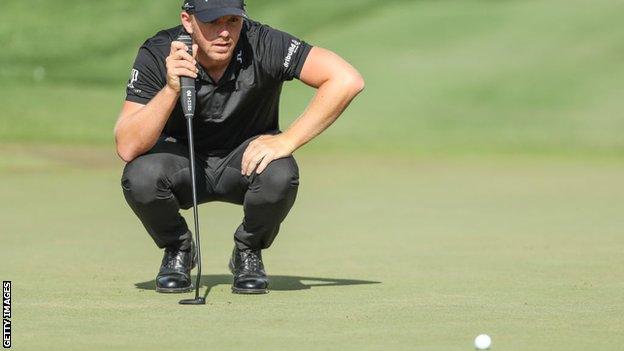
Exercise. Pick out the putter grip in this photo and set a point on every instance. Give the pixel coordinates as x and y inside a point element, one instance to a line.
<point>187,84</point>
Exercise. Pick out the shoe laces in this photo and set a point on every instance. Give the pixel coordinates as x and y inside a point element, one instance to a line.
<point>172,258</point>
<point>251,261</point>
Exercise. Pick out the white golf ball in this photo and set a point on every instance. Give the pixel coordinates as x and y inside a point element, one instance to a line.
<point>39,74</point>
<point>483,342</point>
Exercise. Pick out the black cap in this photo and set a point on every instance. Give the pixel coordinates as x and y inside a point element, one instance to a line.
<point>210,10</point>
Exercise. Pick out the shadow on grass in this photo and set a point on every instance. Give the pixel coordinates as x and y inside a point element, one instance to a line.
<point>276,282</point>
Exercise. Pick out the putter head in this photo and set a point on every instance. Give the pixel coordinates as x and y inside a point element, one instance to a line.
<point>196,301</point>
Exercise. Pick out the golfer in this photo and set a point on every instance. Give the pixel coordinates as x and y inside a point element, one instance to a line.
<point>242,156</point>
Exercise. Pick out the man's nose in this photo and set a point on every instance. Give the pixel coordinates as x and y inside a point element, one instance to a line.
<point>223,32</point>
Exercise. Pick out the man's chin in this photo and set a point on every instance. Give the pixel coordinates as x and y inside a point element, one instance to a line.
<point>221,56</point>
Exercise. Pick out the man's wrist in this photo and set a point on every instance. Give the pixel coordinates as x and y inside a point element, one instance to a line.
<point>170,91</point>
<point>290,142</point>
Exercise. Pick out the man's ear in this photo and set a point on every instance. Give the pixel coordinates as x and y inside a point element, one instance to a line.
<point>187,21</point>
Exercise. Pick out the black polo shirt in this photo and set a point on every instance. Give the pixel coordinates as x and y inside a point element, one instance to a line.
<point>243,103</point>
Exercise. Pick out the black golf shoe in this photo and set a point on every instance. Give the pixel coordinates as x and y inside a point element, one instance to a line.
<point>248,270</point>
<point>175,270</point>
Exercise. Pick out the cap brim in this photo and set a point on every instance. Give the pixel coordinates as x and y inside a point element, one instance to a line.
<point>213,14</point>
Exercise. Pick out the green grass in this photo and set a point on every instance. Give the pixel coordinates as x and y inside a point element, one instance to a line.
<point>474,187</point>
<point>442,76</point>
<point>420,253</point>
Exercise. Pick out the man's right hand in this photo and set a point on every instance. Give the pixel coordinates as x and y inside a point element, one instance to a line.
<point>180,63</point>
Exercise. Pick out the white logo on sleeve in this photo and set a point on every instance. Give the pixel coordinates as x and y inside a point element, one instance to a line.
<point>292,49</point>
<point>134,76</point>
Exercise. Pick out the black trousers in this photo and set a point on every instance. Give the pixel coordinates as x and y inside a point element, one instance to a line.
<point>157,184</point>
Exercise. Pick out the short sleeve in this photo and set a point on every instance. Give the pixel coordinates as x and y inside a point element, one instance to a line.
<point>147,78</point>
<point>282,54</point>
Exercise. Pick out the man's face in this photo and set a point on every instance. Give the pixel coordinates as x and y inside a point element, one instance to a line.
<point>217,39</point>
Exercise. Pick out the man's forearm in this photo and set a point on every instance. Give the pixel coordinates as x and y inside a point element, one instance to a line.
<point>331,99</point>
<point>137,132</point>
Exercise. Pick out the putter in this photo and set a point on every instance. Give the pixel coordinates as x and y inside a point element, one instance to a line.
<point>187,99</point>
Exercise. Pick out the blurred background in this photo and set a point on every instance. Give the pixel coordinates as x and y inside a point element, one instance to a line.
<point>474,186</point>
<point>442,76</point>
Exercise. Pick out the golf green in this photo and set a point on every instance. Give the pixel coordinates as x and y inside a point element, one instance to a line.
<point>475,186</point>
<point>377,253</point>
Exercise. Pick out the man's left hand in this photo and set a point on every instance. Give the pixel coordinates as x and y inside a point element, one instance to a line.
<point>262,150</point>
